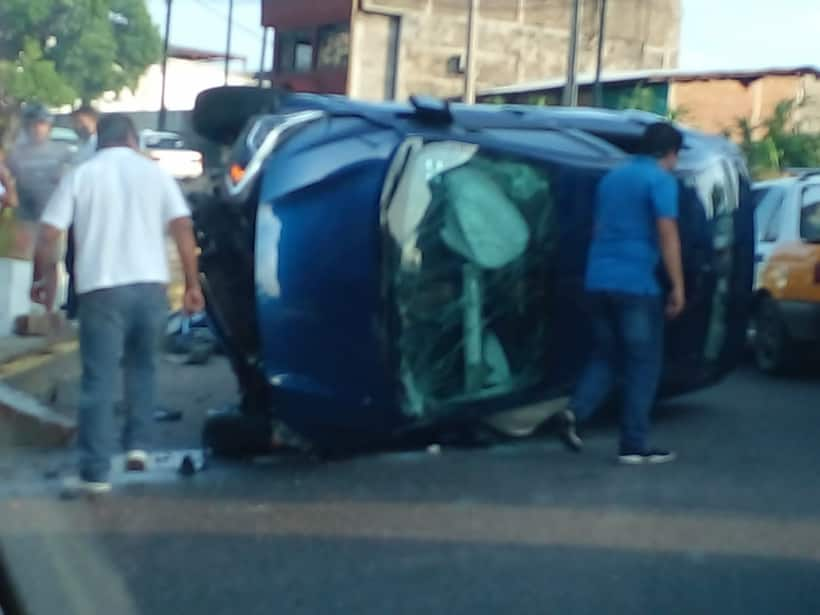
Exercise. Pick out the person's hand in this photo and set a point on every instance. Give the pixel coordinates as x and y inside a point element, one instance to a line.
<point>44,291</point>
<point>194,300</point>
<point>675,303</point>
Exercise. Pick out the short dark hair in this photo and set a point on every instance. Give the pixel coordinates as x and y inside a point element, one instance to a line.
<point>660,139</point>
<point>35,112</point>
<point>115,129</point>
<point>86,110</point>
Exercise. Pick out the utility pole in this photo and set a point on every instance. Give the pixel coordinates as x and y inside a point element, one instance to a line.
<point>472,44</point>
<point>163,112</point>
<point>264,54</point>
<point>599,64</point>
<point>571,86</point>
<point>228,43</point>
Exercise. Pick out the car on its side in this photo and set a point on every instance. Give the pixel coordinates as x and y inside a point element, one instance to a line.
<point>786,322</point>
<point>378,270</point>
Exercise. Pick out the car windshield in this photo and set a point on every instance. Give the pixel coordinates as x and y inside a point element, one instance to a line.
<point>469,231</point>
<point>768,203</point>
<point>810,214</point>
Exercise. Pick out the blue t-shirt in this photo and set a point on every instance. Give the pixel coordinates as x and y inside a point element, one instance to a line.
<point>624,253</point>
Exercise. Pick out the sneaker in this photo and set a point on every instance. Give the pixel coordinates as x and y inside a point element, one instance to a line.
<point>652,455</point>
<point>565,421</point>
<point>136,461</point>
<point>75,487</point>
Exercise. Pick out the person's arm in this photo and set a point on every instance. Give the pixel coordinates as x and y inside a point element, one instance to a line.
<point>56,218</point>
<point>669,240</point>
<point>664,195</point>
<point>177,216</point>
<point>8,193</point>
<point>182,231</point>
<point>46,258</point>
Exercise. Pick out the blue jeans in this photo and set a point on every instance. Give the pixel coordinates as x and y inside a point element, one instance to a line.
<point>119,326</point>
<point>628,342</point>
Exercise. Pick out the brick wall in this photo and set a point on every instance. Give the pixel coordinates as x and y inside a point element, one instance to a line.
<point>716,105</point>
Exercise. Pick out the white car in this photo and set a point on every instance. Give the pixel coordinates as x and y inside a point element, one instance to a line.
<point>171,153</point>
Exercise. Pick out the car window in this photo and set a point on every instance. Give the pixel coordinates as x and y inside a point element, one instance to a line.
<point>769,212</point>
<point>810,214</point>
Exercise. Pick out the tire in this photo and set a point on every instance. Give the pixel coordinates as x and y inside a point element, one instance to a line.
<point>232,434</point>
<point>774,350</point>
<point>221,113</point>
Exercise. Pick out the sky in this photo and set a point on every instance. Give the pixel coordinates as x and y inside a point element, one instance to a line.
<point>715,34</point>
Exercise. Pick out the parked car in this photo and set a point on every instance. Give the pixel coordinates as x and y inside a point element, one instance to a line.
<point>65,135</point>
<point>171,153</point>
<point>787,290</point>
<point>378,270</point>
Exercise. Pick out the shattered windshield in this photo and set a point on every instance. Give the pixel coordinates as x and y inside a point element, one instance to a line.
<point>472,236</point>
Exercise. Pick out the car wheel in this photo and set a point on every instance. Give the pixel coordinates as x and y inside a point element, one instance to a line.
<point>220,114</point>
<point>773,348</point>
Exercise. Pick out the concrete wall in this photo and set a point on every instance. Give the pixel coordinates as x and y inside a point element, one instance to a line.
<point>371,66</point>
<point>518,41</point>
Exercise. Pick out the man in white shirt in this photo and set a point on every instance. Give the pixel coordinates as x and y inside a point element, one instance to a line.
<point>120,204</point>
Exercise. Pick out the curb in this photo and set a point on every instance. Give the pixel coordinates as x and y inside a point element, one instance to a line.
<point>24,381</point>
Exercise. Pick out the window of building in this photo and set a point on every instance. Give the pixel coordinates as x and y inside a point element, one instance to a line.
<point>334,46</point>
<point>295,51</point>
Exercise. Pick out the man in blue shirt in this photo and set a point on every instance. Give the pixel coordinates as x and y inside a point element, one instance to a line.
<point>635,230</point>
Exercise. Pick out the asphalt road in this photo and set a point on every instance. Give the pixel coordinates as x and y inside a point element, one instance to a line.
<point>732,527</point>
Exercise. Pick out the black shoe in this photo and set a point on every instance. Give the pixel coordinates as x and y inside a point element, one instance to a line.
<point>565,430</point>
<point>652,455</point>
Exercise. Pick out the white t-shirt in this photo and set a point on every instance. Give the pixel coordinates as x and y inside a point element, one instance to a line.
<point>120,203</point>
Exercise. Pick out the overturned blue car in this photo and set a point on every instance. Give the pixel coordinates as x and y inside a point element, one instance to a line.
<point>379,271</point>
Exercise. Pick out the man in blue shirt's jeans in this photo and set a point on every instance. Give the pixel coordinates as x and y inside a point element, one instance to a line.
<point>635,229</point>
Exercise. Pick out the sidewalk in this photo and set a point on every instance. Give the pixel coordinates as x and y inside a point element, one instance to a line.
<point>33,370</point>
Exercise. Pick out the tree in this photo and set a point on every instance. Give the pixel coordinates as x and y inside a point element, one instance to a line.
<point>58,51</point>
<point>782,144</point>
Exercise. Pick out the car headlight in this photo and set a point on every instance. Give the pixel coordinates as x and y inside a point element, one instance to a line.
<point>262,135</point>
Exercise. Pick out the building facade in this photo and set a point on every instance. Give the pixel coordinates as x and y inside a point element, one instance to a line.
<point>390,49</point>
<point>712,101</point>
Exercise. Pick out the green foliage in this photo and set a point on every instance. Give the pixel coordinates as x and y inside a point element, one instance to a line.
<point>781,145</point>
<point>56,51</point>
<point>495,100</point>
<point>643,98</point>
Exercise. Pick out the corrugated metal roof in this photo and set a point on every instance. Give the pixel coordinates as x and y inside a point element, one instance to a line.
<point>655,76</point>
<point>191,53</point>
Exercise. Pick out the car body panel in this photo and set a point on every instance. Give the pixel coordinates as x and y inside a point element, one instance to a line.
<point>790,272</point>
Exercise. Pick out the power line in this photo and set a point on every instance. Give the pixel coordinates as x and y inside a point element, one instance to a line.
<point>224,16</point>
